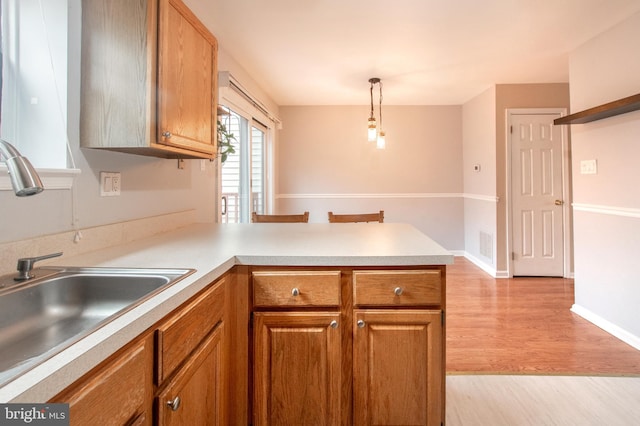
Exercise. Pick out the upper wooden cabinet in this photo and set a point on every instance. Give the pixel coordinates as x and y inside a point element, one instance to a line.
<point>149,79</point>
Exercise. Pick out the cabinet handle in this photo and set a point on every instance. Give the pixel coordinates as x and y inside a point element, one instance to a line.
<point>360,323</point>
<point>333,324</point>
<point>295,292</point>
<point>398,291</point>
<point>174,404</point>
<point>166,134</point>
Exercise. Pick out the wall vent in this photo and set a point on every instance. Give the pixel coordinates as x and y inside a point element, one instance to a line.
<point>486,245</point>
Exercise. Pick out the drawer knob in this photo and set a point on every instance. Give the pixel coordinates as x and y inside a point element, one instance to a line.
<point>398,291</point>
<point>174,404</point>
<point>295,292</point>
<point>333,324</point>
<point>360,323</point>
<point>166,135</point>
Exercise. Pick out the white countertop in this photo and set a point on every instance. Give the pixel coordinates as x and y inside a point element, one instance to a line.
<point>212,250</point>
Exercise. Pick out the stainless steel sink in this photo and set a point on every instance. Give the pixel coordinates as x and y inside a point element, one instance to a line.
<point>45,315</point>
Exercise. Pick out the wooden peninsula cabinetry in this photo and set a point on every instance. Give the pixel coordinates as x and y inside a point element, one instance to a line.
<point>149,79</point>
<point>348,346</point>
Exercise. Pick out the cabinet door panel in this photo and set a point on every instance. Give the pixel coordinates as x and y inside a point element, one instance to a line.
<point>397,364</point>
<point>115,395</point>
<point>297,368</point>
<point>198,385</point>
<point>187,79</point>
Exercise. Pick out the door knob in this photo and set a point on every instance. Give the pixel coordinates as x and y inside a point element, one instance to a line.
<point>333,324</point>
<point>166,134</point>
<point>559,202</point>
<point>360,324</point>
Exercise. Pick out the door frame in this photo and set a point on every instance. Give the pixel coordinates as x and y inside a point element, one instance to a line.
<point>566,187</point>
<point>239,105</point>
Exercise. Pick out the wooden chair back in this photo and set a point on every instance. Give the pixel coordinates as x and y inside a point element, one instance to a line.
<point>279,218</point>
<point>366,217</point>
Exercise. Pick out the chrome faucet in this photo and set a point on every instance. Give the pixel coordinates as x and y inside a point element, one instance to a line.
<point>25,266</point>
<point>24,178</point>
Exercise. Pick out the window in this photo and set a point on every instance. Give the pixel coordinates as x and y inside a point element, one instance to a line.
<point>33,115</point>
<point>243,174</point>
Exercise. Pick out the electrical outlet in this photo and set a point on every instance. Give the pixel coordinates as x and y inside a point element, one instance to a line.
<point>110,183</point>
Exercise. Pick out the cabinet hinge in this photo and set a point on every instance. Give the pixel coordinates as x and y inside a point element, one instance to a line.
<point>510,129</point>
<point>251,320</point>
<point>513,255</point>
<point>442,317</point>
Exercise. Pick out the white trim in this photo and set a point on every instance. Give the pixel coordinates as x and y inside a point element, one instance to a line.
<point>607,326</point>
<point>480,197</point>
<point>608,210</point>
<point>566,173</point>
<point>490,198</point>
<point>51,178</point>
<point>489,269</point>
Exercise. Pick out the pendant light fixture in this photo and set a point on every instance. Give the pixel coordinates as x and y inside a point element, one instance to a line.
<point>373,133</point>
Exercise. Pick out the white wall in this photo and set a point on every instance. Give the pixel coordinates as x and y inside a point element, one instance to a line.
<point>479,148</point>
<point>607,204</point>
<point>326,164</point>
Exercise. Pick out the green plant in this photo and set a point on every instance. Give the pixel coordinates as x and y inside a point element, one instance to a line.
<point>225,142</point>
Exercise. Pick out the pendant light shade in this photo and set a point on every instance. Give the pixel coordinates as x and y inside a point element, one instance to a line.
<point>372,131</point>
<point>380,142</point>
<point>375,134</point>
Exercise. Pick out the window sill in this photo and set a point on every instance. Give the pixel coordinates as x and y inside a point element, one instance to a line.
<point>51,178</point>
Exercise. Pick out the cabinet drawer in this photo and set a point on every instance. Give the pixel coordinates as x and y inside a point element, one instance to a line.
<point>296,288</point>
<point>182,333</point>
<point>397,288</point>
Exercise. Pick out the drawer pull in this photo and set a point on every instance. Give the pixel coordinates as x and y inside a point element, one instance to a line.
<point>333,324</point>
<point>174,404</point>
<point>295,292</point>
<point>166,135</point>
<point>398,291</point>
<point>360,323</point>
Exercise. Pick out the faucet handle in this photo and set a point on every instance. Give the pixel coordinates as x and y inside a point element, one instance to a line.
<point>25,265</point>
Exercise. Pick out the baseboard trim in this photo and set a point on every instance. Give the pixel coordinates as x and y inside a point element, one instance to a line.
<point>480,264</point>
<point>607,326</point>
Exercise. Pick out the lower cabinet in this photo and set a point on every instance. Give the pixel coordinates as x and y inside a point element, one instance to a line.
<point>397,367</point>
<point>373,338</point>
<point>116,393</point>
<point>297,368</point>
<point>194,395</point>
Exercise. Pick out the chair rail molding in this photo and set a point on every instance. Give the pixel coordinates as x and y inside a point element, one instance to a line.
<point>607,210</point>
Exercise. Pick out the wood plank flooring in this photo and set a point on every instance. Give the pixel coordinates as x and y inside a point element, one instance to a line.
<point>525,326</point>
<point>542,400</point>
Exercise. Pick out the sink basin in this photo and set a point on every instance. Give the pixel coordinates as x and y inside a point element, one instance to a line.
<point>45,315</point>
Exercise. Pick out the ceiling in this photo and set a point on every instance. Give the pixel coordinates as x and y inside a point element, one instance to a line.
<point>427,52</point>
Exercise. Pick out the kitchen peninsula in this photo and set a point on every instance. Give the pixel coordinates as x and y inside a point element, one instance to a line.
<point>321,305</point>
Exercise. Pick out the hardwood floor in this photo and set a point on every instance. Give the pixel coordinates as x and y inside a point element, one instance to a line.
<point>502,400</point>
<point>525,326</point>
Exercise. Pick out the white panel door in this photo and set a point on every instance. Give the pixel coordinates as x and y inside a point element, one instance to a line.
<point>537,195</point>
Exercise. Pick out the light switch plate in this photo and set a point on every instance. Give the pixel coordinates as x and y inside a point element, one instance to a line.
<point>588,167</point>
